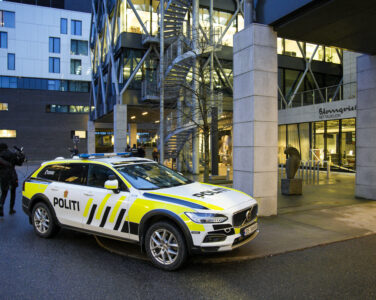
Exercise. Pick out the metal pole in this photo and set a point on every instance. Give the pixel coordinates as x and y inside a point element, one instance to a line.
<point>318,172</point>
<point>161,76</point>
<point>195,78</point>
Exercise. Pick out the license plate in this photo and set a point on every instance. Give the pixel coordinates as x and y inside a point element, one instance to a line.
<point>249,230</point>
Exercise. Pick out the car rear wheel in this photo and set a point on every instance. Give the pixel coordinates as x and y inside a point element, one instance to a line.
<point>43,221</point>
<point>165,246</point>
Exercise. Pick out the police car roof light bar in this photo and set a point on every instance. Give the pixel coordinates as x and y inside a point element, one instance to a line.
<point>102,155</point>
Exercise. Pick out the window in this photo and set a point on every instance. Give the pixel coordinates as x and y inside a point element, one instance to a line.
<point>3,40</point>
<point>54,65</point>
<point>3,106</point>
<point>80,133</point>
<point>7,133</point>
<point>11,61</point>
<point>76,27</point>
<point>98,175</point>
<point>63,26</point>
<point>73,109</point>
<point>8,82</point>
<point>79,47</point>
<point>54,45</point>
<point>75,66</point>
<point>151,176</point>
<point>7,19</point>
<point>79,109</point>
<point>50,172</point>
<point>73,173</point>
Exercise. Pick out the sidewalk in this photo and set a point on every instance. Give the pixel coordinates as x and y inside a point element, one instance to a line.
<point>326,213</point>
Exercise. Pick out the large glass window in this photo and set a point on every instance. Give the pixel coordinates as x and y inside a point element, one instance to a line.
<point>7,133</point>
<point>79,47</point>
<point>75,66</point>
<point>54,65</point>
<point>76,27</point>
<point>11,61</point>
<point>281,144</point>
<point>3,106</point>
<point>331,55</point>
<point>73,173</point>
<point>54,45</point>
<point>310,49</point>
<point>348,145</point>
<point>292,48</point>
<point>149,176</point>
<point>3,39</point>
<point>7,19</point>
<point>63,26</point>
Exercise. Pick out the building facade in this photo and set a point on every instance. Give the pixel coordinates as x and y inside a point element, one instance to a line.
<point>133,28</point>
<point>44,76</point>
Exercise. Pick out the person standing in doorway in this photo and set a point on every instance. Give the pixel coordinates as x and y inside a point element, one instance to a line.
<point>155,154</point>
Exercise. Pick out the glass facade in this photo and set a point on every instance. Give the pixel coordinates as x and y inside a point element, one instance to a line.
<point>7,19</point>
<point>3,39</point>
<point>72,109</point>
<point>54,65</point>
<point>324,140</point>
<point>76,27</point>
<point>11,61</point>
<point>63,26</point>
<point>7,133</point>
<point>79,47</point>
<point>3,106</point>
<point>54,45</point>
<point>75,66</point>
<point>291,48</point>
<point>44,84</point>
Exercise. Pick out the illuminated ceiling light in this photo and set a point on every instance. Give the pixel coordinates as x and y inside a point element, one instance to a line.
<point>144,113</point>
<point>133,117</point>
<point>156,122</point>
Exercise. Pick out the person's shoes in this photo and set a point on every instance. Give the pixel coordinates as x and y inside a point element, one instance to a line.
<point>12,212</point>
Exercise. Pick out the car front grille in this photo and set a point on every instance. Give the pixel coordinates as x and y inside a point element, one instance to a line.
<point>240,218</point>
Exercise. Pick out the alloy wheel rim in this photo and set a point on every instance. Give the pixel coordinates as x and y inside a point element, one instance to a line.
<point>41,220</point>
<point>164,246</point>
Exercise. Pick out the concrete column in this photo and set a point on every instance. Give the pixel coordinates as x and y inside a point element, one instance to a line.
<point>366,128</point>
<point>255,128</point>
<point>120,127</point>
<point>91,136</point>
<point>132,134</point>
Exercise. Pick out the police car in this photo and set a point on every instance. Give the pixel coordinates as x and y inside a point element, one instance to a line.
<point>138,200</point>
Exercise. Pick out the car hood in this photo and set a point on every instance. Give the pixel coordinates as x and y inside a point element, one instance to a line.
<point>206,195</point>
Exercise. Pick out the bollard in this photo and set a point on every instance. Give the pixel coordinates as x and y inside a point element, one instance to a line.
<point>310,171</point>
<point>306,171</point>
<point>228,174</point>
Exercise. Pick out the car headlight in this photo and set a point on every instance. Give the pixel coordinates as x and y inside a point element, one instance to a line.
<point>206,217</point>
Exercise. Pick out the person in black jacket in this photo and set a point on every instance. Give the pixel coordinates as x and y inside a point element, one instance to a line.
<point>8,175</point>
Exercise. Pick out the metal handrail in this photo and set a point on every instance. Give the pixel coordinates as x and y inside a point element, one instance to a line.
<point>330,94</point>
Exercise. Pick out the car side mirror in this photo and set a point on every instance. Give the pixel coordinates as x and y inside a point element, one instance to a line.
<point>112,185</point>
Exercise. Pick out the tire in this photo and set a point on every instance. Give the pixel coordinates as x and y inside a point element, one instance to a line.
<point>43,221</point>
<point>161,252</point>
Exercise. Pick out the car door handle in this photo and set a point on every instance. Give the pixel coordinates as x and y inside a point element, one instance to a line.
<point>88,194</point>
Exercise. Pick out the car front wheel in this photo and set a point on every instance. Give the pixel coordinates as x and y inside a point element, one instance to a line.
<point>165,246</point>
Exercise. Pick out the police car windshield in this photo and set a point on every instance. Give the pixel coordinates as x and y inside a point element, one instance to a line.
<point>150,176</point>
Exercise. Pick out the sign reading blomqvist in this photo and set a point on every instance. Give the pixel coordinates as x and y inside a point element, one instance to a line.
<point>335,113</point>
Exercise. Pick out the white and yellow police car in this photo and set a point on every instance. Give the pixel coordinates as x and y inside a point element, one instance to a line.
<point>138,200</point>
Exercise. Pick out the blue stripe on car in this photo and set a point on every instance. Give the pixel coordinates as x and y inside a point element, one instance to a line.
<point>175,201</point>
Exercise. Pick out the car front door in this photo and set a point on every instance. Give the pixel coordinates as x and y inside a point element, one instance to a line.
<point>105,211</point>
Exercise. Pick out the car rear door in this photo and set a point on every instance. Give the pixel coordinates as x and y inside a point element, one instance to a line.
<point>68,194</point>
<point>105,211</point>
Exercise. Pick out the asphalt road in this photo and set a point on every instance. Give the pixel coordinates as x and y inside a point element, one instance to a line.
<point>73,266</point>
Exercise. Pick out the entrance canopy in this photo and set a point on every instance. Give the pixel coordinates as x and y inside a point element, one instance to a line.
<point>346,24</point>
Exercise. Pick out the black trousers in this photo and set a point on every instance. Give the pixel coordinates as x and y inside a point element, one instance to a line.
<point>4,193</point>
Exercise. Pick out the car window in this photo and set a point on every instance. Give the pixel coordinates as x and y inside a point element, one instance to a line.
<point>149,176</point>
<point>51,172</point>
<point>73,173</point>
<point>98,175</point>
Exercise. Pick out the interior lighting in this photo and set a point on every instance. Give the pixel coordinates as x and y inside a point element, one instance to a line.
<point>133,117</point>
<point>156,122</point>
<point>145,113</point>
<point>351,152</point>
